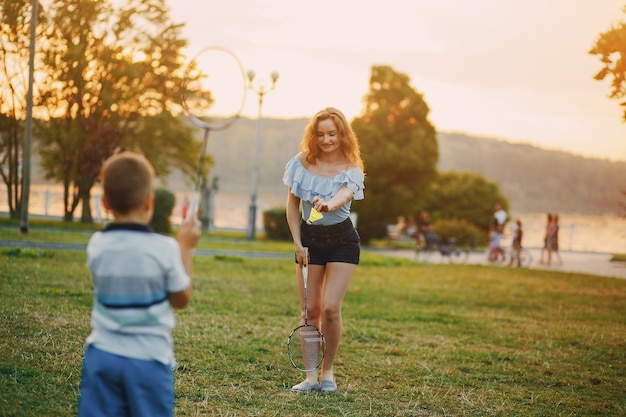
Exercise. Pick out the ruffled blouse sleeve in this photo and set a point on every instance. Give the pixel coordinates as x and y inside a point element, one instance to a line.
<point>306,185</point>
<point>354,180</point>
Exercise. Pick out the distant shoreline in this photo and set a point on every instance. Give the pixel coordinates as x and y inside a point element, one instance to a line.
<point>586,233</point>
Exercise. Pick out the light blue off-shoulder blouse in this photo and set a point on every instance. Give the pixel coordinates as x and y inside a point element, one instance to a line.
<point>305,185</point>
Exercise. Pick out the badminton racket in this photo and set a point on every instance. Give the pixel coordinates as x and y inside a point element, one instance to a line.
<point>306,345</point>
<point>213,96</point>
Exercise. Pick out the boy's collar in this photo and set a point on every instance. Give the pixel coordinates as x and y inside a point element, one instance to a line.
<point>134,227</point>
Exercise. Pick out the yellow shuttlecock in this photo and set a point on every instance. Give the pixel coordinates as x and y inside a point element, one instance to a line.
<point>314,216</point>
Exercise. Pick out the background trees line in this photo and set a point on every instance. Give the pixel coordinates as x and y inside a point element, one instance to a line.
<point>534,180</point>
<point>109,78</point>
<point>106,78</point>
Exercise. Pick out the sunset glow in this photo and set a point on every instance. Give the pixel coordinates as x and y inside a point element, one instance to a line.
<point>513,70</point>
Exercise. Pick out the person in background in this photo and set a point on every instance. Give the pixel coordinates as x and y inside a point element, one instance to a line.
<point>496,232</point>
<point>546,239</point>
<point>399,229</point>
<point>425,229</point>
<point>494,250</point>
<point>499,218</point>
<point>327,175</point>
<point>138,277</point>
<point>411,229</point>
<point>553,240</point>
<point>517,242</point>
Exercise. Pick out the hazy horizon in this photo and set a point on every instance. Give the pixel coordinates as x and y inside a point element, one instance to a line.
<point>515,71</point>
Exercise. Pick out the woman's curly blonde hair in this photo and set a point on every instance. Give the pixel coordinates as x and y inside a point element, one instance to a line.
<point>348,140</point>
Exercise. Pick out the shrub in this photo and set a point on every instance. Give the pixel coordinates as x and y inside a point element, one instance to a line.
<point>465,233</point>
<point>275,224</point>
<point>164,202</point>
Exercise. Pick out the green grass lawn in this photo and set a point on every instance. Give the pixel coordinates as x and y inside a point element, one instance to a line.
<point>48,230</point>
<point>419,340</point>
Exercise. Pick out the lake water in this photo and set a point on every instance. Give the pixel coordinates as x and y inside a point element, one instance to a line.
<point>577,233</point>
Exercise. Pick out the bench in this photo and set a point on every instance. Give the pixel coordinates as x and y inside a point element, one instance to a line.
<point>394,235</point>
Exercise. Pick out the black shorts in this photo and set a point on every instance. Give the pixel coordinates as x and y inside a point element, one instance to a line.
<point>335,243</point>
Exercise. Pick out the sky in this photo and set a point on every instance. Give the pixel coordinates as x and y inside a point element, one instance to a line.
<point>506,69</point>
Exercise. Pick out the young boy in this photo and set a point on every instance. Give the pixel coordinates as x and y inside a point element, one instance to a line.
<point>138,277</point>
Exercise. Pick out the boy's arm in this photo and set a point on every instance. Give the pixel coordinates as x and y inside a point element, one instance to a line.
<point>188,236</point>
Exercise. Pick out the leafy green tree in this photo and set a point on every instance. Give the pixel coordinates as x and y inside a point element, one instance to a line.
<point>464,196</point>
<point>399,149</point>
<point>611,48</point>
<point>114,76</point>
<point>14,64</point>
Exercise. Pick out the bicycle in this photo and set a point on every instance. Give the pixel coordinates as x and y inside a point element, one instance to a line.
<point>446,248</point>
<point>499,256</point>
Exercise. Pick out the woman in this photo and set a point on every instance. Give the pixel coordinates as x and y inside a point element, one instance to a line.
<point>552,238</point>
<point>326,175</point>
<point>546,239</point>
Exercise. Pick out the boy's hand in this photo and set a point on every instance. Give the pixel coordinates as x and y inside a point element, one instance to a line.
<point>189,232</point>
<point>187,237</point>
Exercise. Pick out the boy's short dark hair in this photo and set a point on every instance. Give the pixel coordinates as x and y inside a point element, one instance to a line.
<point>126,179</point>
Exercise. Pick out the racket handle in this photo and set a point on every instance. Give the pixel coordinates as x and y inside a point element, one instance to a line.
<point>305,269</point>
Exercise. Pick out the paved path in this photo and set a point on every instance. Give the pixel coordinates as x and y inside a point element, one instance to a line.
<point>585,262</point>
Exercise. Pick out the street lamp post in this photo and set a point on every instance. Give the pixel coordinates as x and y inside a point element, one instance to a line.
<point>261,91</point>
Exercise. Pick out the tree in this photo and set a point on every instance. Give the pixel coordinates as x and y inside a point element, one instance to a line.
<point>14,63</point>
<point>399,148</point>
<point>464,196</point>
<point>611,47</point>
<point>113,80</point>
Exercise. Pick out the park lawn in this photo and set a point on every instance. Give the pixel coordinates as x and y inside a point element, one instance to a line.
<point>52,230</point>
<point>419,340</point>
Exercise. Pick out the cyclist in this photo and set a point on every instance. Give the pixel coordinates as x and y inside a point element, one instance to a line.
<point>426,230</point>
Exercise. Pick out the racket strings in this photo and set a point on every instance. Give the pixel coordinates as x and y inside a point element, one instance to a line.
<point>306,348</point>
<point>306,345</point>
<point>310,341</point>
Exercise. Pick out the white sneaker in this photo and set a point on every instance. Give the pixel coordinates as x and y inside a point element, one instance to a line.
<point>305,386</point>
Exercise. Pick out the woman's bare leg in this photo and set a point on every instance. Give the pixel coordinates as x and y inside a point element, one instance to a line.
<point>338,276</point>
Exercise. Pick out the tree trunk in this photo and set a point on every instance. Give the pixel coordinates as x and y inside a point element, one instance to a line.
<point>68,212</point>
<point>15,201</point>
<point>84,194</point>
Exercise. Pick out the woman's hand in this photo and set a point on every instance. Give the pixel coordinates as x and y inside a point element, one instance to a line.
<point>335,203</point>
<point>320,205</point>
<point>301,256</point>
